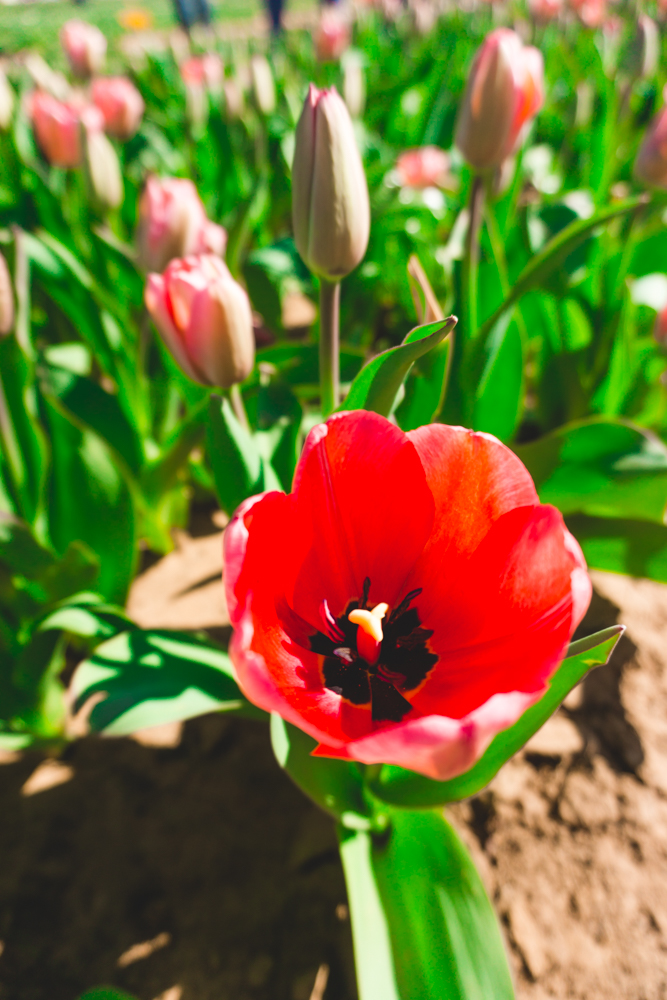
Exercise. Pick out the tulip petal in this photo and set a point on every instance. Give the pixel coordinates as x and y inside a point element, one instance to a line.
<point>156,303</point>
<point>434,745</point>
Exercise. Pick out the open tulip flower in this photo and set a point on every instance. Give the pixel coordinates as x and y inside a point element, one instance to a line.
<point>408,600</point>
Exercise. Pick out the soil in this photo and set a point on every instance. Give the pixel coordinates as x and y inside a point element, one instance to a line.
<point>184,865</point>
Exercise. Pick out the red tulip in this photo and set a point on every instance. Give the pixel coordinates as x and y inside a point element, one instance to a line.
<point>425,167</point>
<point>408,600</point>
<point>173,223</point>
<point>85,47</point>
<point>660,328</point>
<point>505,90</point>
<point>58,124</point>
<point>121,104</point>
<point>204,318</point>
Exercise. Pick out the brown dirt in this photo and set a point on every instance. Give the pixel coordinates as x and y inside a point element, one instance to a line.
<point>196,871</point>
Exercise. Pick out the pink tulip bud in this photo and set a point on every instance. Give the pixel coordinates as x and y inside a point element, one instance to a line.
<point>6,298</point>
<point>422,168</point>
<point>85,47</point>
<point>121,104</point>
<point>330,205</point>
<point>592,13</point>
<point>204,318</point>
<point>58,125</point>
<point>332,36</point>
<point>204,71</point>
<point>651,162</point>
<point>173,223</point>
<point>505,90</point>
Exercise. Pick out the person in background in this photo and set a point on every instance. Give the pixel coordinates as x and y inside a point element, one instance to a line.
<point>275,11</point>
<point>191,12</point>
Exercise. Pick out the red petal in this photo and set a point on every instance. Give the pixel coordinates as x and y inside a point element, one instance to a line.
<point>502,618</point>
<point>364,505</point>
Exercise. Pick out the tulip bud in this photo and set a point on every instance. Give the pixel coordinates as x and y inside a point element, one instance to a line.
<point>47,79</point>
<point>173,223</point>
<point>85,47</point>
<point>330,205</point>
<point>204,318</point>
<point>263,84</point>
<point>422,168</point>
<point>505,90</point>
<point>660,328</point>
<point>58,124</point>
<point>121,105</point>
<point>332,36</point>
<point>354,83</point>
<point>103,169</point>
<point>651,162</point>
<point>6,102</point>
<point>6,298</point>
<point>233,97</point>
<point>545,10</point>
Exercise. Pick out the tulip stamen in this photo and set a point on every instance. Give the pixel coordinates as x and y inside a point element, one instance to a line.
<point>369,632</point>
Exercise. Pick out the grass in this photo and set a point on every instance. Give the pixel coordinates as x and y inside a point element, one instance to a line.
<point>36,25</point>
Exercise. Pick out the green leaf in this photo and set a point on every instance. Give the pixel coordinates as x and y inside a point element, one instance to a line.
<point>22,444</point>
<point>334,785</point>
<point>425,387</point>
<point>404,788</point>
<point>19,549</point>
<point>91,406</point>
<point>422,924</point>
<point>91,502</point>
<point>152,677</point>
<point>603,467</point>
<point>552,256</point>
<point>501,388</point>
<point>106,993</point>
<point>160,474</point>
<point>239,470</point>
<point>637,548</point>
<point>377,383</point>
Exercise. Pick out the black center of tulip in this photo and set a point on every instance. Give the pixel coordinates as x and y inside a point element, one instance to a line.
<point>403,663</point>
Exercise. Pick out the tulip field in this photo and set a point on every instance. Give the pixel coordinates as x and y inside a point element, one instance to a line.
<point>382,293</point>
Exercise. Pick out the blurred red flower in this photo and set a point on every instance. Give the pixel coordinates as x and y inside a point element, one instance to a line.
<point>408,600</point>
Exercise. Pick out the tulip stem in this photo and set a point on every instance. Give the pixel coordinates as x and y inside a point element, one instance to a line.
<point>236,399</point>
<point>471,257</point>
<point>329,345</point>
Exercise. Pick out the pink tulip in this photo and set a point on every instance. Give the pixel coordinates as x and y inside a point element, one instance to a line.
<point>332,37</point>
<point>592,13</point>
<point>651,162</point>
<point>203,71</point>
<point>505,90</point>
<point>85,47</point>
<point>660,328</point>
<point>173,223</point>
<point>545,10</point>
<point>58,124</point>
<point>204,318</point>
<point>424,167</point>
<point>121,104</point>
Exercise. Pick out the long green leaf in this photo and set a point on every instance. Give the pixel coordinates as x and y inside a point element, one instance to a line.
<point>637,548</point>
<point>239,470</point>
<point>404,788</point>
<point>422,923</point>
<point>148,678</point>
<point>377,383</point>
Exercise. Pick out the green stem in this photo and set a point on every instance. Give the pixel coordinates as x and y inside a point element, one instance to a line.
<point>329,345</point>
<point>471,257</point>
<point>236,399</point>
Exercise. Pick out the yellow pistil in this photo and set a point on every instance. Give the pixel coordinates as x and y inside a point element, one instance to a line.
<point>370,621</point>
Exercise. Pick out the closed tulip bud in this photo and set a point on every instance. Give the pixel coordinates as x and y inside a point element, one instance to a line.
<point>651,162</point>
<point>660,328</point>
<point>173,223</point>
<point>422,168</point>
<point>103,169</point>
<point>233,97</point>
<point>263,85</point>
<point>354,84</point>
<point>85,47</point>
<point>6,298</point>
<point>505,90</point>
<point>6,102</point>
<point>58,126</point>
<point>330,206</point>
<point>332,37</point>
<point>204,318</point>
<point>121,105</point>
<point>47,79</point>
<point>545,10</point>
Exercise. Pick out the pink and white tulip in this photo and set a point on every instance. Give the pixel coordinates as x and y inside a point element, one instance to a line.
<point>204,318</point>
<point>121,105</point>
<point>85,47</point>
<point>58,126</point>
<point>424,167</point>
<point>332,37</point>
<point>173,223</point>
